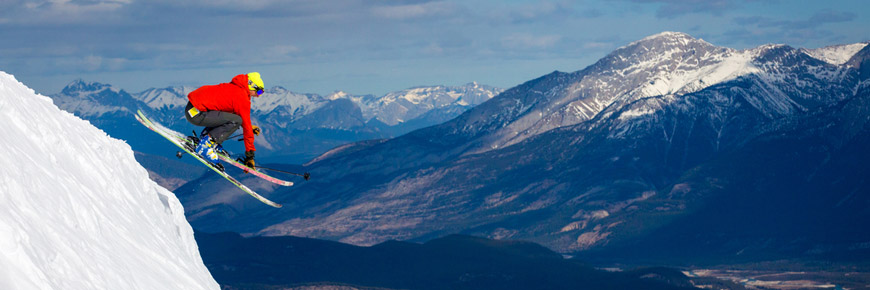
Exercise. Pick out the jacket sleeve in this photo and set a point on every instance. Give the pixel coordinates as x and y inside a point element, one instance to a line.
<point>248,130</point>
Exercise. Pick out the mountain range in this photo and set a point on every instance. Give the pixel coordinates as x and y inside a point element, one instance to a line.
<point>669,147</point>
<point>297,127</point>
<point>81,213</point>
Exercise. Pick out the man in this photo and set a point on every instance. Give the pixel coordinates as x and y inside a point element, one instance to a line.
<point>222,109</point>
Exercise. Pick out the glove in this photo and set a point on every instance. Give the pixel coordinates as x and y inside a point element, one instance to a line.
<point>256,130</point>
<point>249,159</point>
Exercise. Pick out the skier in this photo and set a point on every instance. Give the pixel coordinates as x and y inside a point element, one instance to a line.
<point>221,109</point>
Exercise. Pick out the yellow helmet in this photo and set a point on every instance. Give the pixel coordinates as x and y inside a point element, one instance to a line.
<point>255,83</point>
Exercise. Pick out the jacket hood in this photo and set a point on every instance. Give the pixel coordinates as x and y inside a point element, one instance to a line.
<point>241,81</point>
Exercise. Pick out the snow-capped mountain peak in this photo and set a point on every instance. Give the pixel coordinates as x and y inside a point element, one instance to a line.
<point>395,107</point>
<point>663,66</point>
<point>79,86</point>
<point>414,95</point>
<point>337,95</point>
<point>294,102</point>
<point>674,62</point>
<point>93,99</point>
<point>673,36</point>
<point>166,97</point>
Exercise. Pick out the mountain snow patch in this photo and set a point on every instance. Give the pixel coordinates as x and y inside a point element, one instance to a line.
<point>79,212</point>
<point>837,54</point>
<point>729,66</point>
<point>637,112</point>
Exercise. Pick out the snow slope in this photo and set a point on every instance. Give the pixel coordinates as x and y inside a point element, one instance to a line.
<point>836,54</point>
<point>78,212</point>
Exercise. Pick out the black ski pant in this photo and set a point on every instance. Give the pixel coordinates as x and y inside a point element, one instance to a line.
<point>219,125</point>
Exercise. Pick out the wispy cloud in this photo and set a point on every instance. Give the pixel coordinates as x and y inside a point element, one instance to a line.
<point>60,11</point>
<point>754,29</point>
<point>530,41</point>
<point>818,19</point>
<point>675,8</point>
<point>319,41</point>
<point>413,11</point>
<point>536,12</point>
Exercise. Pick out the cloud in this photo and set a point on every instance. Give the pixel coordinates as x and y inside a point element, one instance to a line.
<point>675,8</point>
<point>111,37</point>
<point>61,11</point>
<point>94,63</point>
<point>282,49</point>
<point>246,5</point>
<point>529,41</point>
<point>597,45</point>
<point>816,20</point>
<point>224,5</point>
<point>411,11</point>
<point>830,16</point>
<point>762,29</point>
<point>541,11</point>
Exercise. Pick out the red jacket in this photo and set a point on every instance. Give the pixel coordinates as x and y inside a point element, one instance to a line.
<point>229,97</point>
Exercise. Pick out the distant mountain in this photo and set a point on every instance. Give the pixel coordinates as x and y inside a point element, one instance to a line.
<point>453,262</point>
<point>296,126</point>
<point>407,105</point>
<point>658,134</point>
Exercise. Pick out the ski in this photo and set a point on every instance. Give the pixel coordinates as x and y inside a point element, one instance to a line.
<point>226,158</point>
<point>255,172</point>
<point>173,137</point>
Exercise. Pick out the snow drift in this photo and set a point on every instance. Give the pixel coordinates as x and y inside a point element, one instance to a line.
<point>78,212</point>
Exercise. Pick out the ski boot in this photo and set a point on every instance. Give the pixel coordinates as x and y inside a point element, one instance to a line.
<point>209,151</point>
<point>219,149</point>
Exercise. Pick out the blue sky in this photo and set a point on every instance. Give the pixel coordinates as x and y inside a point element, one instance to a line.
<point>374,47</point>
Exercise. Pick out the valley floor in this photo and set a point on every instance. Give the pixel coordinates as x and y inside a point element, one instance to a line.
<point>779,280</point>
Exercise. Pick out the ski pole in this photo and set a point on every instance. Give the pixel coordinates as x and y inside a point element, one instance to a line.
<point>307,175</point>
<point>232,137</point>
<point>240,139</point>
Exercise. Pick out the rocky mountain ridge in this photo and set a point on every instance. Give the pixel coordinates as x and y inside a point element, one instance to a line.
<point>592,159</point>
